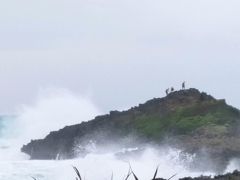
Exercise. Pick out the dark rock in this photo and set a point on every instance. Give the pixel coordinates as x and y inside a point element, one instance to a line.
<point>230,176</point>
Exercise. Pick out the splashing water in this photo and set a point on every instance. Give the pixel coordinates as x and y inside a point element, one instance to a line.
<point>97,167</point>
<point>52,110</point>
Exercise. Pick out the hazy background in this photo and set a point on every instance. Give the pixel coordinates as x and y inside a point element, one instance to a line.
<point>118,53</point>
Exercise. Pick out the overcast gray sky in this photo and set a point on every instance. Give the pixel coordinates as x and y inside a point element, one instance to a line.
<point>121,52</point>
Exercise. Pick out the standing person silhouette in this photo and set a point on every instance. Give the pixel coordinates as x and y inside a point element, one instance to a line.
<point>167,91</point>
<point>183,85</point>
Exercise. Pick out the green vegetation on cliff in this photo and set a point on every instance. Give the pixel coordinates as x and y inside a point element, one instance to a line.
<point>185,120</point>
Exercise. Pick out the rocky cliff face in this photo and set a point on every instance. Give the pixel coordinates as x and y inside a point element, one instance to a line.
<point>188,119</point>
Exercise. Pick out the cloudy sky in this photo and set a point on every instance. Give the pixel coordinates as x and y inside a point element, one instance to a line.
<point>120,53</point>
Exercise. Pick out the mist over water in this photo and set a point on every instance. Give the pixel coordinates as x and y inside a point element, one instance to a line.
<point>54,109</point>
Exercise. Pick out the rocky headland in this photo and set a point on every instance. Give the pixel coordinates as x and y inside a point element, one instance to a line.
<point>190,120</point>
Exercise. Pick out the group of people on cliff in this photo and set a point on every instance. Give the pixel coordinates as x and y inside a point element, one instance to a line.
<point>170,90</point>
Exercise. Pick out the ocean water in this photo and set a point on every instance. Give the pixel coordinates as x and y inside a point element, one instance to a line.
<point>97,167</point>
<point>15,165</point>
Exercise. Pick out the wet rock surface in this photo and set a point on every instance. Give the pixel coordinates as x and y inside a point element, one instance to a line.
<point>230,176</point>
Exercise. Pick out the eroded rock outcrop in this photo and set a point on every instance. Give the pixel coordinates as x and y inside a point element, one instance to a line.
<point>190,120</point>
